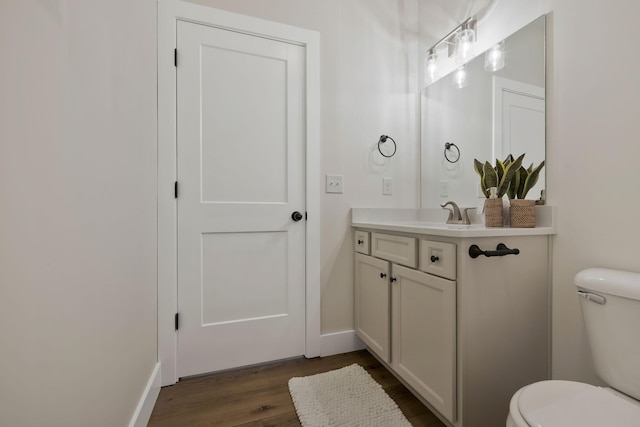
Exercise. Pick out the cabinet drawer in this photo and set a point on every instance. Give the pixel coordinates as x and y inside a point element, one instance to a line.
<point>398,249</point>
<point>362,242</point>
<point>438,258</point>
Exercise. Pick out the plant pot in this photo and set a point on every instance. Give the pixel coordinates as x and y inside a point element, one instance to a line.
<point>522,213</point>
<point>493,213</point>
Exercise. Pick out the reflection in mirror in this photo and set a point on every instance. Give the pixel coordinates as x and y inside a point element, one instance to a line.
<point>497,113</point>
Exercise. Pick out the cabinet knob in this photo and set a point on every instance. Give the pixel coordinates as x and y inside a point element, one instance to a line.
<point>392,279</point>
<point>360,242</point>
<point>434,258</point>
<point>383,275</point>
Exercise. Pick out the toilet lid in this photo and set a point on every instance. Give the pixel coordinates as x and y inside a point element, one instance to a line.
<point>568,403</point>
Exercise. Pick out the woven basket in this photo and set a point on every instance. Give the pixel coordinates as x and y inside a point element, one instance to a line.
<point>493,213</point>
<point>523,213</point>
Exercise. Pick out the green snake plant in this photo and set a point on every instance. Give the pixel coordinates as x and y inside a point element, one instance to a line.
<point>524,180</point>
<point>500,176</point>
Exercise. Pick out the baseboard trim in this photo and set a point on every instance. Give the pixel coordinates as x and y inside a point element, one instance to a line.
<point>340,342</point>
<point>148,399</point>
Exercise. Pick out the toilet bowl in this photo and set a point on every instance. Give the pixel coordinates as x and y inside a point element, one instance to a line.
<point>558,403</point>
<point>610,305</point>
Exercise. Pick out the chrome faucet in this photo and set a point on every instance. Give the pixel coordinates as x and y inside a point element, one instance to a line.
<point>455,217</point>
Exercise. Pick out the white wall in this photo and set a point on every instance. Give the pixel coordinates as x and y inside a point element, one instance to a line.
<point>77,210</point>
<point>593,157</point>
<point>368,88</point>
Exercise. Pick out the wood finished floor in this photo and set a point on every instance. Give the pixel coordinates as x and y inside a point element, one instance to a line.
<point>259,396</point>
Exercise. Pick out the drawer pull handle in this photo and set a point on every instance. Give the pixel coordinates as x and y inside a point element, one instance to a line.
<point>360,242</point>
<point>392,279</point>
<point>383,275</point>
<point>434,258</point>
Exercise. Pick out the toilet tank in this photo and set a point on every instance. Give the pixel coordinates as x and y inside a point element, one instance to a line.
<point>610,303</point>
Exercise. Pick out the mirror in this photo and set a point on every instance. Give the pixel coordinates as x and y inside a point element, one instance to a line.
<point>496,114</point>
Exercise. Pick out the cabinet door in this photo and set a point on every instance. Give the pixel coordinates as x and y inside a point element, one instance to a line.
<point>373,304</point>
<point>424,335</point>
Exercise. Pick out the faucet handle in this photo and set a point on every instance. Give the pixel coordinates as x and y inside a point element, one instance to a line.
<point>465,216</point>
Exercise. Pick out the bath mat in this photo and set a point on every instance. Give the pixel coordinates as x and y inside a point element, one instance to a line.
<point>344,397</point>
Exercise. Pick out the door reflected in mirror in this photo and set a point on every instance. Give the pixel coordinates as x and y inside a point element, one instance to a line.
<point>497,113</point>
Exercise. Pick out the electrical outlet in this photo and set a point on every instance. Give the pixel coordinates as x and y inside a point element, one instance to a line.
<point>334,184</point>
<point>387,186</point>
<point>444,188</point>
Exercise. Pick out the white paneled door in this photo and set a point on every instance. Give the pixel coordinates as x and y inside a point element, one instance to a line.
<point>241,175</point>
<point>519,124</point>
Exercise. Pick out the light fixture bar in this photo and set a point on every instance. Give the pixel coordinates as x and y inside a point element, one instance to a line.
<point>469,23</point>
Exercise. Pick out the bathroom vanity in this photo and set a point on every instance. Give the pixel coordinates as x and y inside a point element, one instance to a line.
<point>463,333</point>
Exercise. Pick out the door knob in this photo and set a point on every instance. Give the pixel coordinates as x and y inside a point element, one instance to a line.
<point>296,216</point>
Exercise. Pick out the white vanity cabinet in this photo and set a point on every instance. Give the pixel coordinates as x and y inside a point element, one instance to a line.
<point>462,333</point>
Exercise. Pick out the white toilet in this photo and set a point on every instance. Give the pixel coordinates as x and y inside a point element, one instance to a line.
<point>610,303</point>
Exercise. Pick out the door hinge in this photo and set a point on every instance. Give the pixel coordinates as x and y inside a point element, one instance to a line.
<point>177,321</point>
<point>175,57</point>
<point>175,189</point>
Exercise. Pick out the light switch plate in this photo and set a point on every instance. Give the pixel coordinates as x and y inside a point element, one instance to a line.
<point>444,188</point>
<point>334,184</point>
<point>387,186</point>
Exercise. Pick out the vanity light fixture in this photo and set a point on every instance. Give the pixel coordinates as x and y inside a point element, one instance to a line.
<point>431,67</point>
<point>460,43</point>
<point>460,77</point>
<point>494,57</point>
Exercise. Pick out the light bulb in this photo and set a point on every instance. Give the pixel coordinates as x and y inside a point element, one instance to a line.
<point>431,68</point>
<point>460,78</point>
<point>464,45</point>
<point>494,57</point>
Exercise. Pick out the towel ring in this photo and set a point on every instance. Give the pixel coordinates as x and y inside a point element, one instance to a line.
<point>382,140</point>
<point>447,147</point>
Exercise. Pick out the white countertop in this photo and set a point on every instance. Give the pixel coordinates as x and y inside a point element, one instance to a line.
<point>433,222</point>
